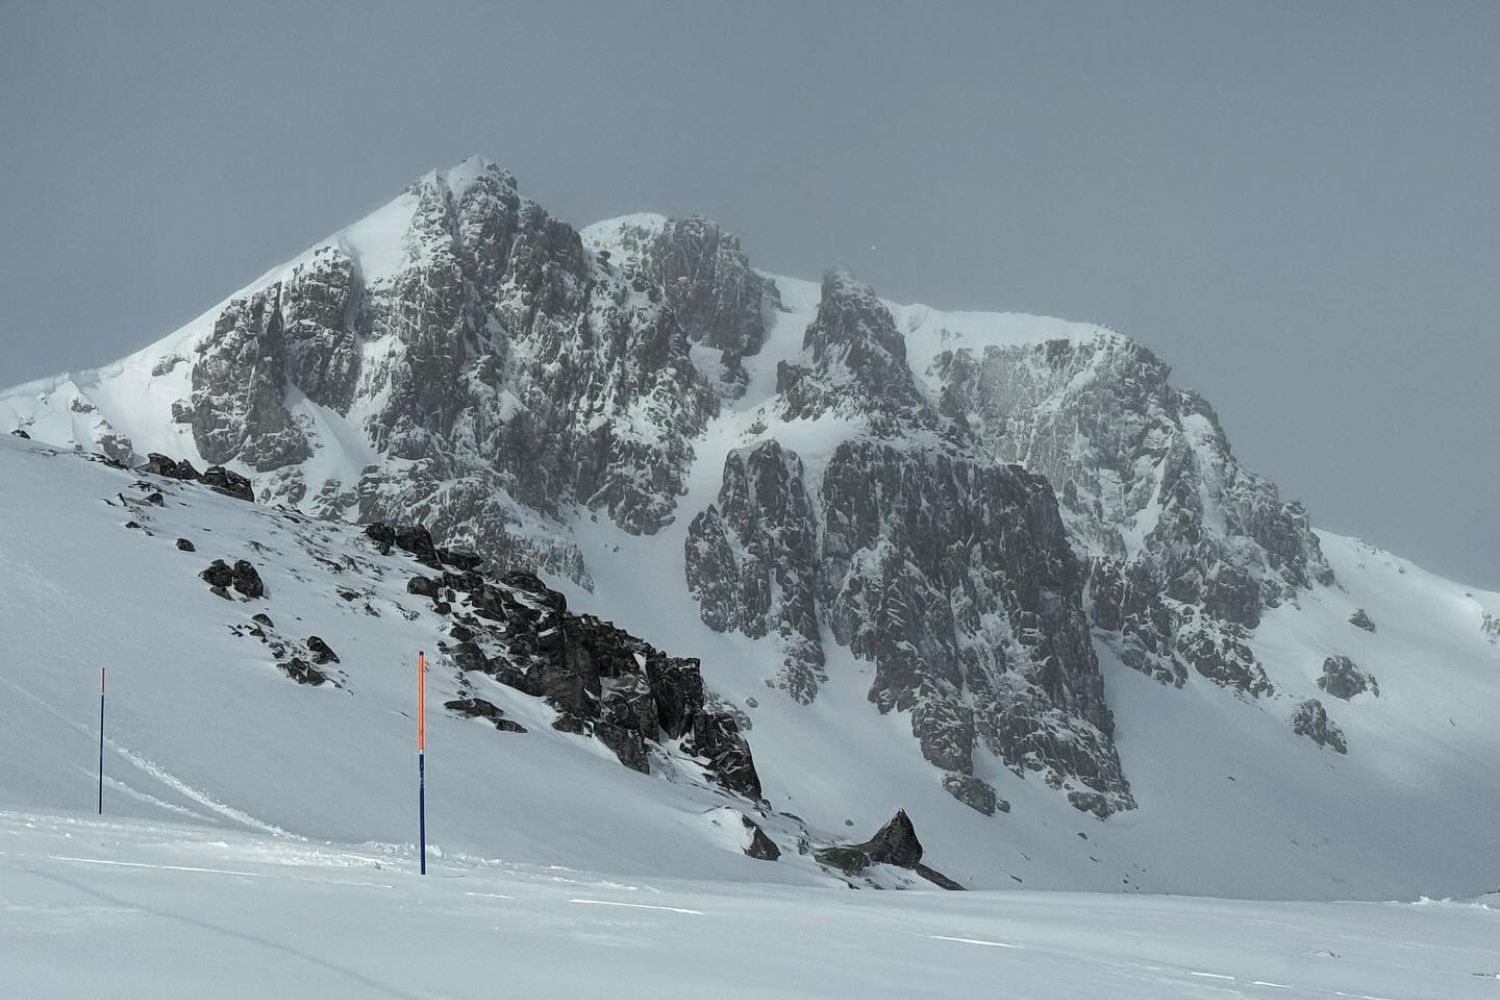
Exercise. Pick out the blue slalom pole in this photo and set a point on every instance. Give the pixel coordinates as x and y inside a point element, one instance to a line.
<point>422,757</point>
<point>101,741</point>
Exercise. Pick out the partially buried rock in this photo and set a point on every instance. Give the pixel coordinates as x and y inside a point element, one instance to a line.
<point>976,793</point>
<point>478,708</point>
<point>156,499</point>
<point>303,672</point>
<point>1343,679</point>
<point>160,465</point>
<point>1311,720</point>
<point>895,843</point>
<point>186,546</point>
<point>263,619</point>
<point>1361,620</point>
<point>247,581</point>
<point>231,484</point>
<point>422,586</point>
<point>218,574</point>
<point>761,847</point>
<point>321,652</point>
<point>416,540</point>
<point>20,434</point>
<point>383,535</point>
<point>460,560</point>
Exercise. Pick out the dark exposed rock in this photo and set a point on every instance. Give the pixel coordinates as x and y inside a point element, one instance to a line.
<point>761,847</point>
<point>1220,651</point>
<point>937,878</point>
<point>895,843</point>
<point>468,656</point>
<point>975,793</point>
<point>478,708</point>
<point>627,745</point>
<point>423,586</point>
<point>1343,679</point>
<point>321,651</point>
<point>231,484</point>
<point>718,738</point>
<point>246,580</point>
<point>1311,720</point>
<point>261,618</point>
<point>237,409</point>
<point>532,584</point>
<point>1359,619</point>
<point>186,546</point>
<point>161,465</point>
<point>18,432</point>
<point>303,672</point>
<point>383,535</point>
<point>677,687</point>
<point>462,561</point>
<point>218,574</point>
<point>418,541</point>
<point>155,499</point>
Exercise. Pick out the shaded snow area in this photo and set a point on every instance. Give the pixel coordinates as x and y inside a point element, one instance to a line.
<point>131,908</point>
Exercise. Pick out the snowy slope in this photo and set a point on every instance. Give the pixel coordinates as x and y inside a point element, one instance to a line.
<point>204,728</point>
<point>177,912</point>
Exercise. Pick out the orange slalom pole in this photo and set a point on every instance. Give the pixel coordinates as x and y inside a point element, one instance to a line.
<point>422,757</point>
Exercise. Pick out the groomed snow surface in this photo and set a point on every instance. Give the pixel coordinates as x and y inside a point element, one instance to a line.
<point>92,908</point>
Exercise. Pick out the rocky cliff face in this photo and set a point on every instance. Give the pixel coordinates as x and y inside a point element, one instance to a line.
<point>499,371</point>
<point>949,572</point>
<point>1184,548</point>
<point>967,520</point>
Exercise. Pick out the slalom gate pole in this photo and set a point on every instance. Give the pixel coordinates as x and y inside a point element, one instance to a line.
<point>101,741</point>
<point>422,757</point>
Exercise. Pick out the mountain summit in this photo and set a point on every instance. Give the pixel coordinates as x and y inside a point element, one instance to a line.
<point>992,568</point>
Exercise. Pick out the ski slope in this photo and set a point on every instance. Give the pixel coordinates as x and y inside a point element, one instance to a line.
<point>131,908</point>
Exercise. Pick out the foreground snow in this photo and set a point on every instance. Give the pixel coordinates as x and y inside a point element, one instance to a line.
<point>101,908</point>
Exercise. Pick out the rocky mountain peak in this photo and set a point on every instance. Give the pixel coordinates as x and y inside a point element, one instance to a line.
<point>965,502</point>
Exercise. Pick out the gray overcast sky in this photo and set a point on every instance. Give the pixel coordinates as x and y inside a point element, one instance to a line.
<point>1297,205</point>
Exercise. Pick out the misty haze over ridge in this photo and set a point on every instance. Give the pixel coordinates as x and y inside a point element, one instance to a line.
<point>1295,209</point>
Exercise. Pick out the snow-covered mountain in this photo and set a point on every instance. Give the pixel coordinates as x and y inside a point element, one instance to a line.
<point>991,569</point>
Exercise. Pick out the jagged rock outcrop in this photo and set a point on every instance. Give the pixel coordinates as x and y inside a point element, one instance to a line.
<point>502,370</point>
<point>1185,549</point>
<point>895,844</point>
<point>238,409</point>
<point>752,561</point>
<point>705,281</point>
<point>602,680</point>
<point>1343,679</point>
<point>854,362</point>
<point>1311,720</point>
<point>952,574</point>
